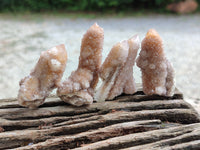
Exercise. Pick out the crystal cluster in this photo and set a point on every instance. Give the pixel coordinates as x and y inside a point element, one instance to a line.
<point>78,89</point>
<point>117,70</point>
<point>157,71</point>
<point>46,76</point>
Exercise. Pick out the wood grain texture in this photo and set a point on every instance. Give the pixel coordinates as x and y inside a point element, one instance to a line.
<point>127,122</point>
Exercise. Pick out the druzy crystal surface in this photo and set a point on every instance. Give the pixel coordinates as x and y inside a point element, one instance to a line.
<point>117,70</point>
<point>78,89</point>
<point>157,71</point>
<point>46,76</point>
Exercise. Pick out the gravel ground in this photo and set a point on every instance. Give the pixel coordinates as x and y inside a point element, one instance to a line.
<point>23,39</point>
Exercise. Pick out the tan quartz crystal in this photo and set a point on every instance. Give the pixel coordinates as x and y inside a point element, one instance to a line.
<point>43,78</point>
<point>117,70</point>
<point>78,89</point>
<point>157,71</point>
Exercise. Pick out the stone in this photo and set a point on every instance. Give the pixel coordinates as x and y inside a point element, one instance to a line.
<point>117,70</point>
<point>183,7</point>
<point>78,89</point>
<point>46,76</point>
<point>157,72</point>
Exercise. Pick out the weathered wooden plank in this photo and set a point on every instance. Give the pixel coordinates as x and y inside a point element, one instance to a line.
<point>9,125</point>
<point>25,113</point>
<point>172,115</point>
<point>57,125</point>
<point>140,96</point>
<point>192,145</point>
<point>101,120</point>
<point>188,140</point>
<point>96,135</point>
<point>53,100</point>
<point>142,138</point>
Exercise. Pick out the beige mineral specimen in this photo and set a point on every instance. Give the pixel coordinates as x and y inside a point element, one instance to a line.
<point>117,70</point>
<point>157,71</point>
<point>43,78</point>
<point>78,89</point>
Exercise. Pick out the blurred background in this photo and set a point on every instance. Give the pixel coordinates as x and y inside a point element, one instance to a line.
<point>28,27</point>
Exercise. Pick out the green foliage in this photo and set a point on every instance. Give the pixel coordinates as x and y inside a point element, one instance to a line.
<point>82,5</point>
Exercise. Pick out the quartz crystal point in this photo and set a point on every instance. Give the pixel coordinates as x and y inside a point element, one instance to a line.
<point>78,89</point>
<point>43,78</point>
<point>157,71</point>
<point>117,70</point>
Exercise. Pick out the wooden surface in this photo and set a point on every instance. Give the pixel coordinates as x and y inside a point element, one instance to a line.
<point>128,122</point>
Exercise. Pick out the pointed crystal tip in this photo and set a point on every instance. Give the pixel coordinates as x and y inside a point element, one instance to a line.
<point>135,38</point>
<point>152,33</point>
<point>95,24</point>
